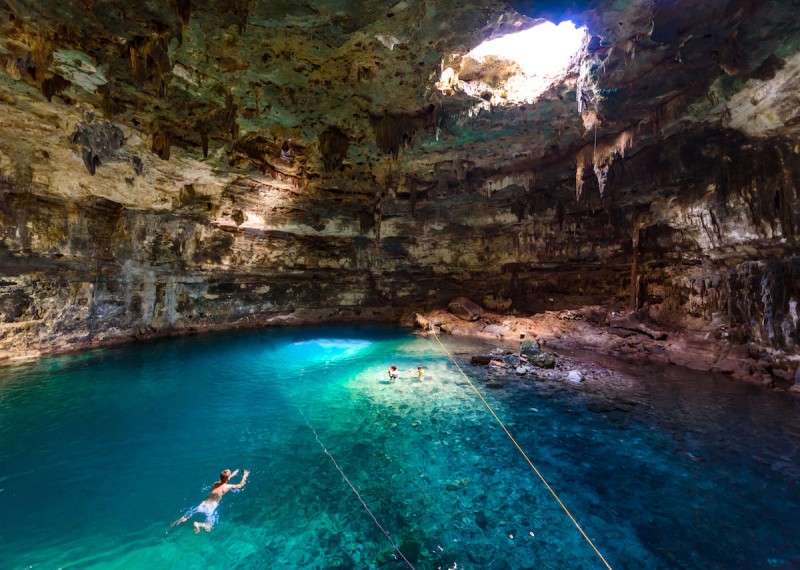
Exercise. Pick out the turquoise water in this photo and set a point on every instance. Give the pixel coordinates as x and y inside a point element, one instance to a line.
<point>662,468</point>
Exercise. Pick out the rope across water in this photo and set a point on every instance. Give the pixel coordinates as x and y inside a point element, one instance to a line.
<point>514,441</point>
<point>358,495</point>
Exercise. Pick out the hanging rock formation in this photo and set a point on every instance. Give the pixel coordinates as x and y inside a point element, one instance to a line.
<point>168,167</point>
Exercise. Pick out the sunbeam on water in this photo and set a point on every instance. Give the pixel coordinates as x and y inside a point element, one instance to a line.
<point>668,469</point>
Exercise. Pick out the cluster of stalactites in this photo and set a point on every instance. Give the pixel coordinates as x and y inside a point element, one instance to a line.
<point>392,133</point>
<point>601,156</point>
<point>150,60</point>
<point>333,146</point>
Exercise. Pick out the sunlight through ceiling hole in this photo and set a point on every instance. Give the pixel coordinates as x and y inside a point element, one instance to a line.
<point>543,50</point>
<point>516,68</point>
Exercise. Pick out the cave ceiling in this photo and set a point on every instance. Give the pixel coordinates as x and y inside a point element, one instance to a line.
<point>135,101</point>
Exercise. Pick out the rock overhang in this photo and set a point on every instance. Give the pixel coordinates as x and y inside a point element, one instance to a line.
<point>288,130</point>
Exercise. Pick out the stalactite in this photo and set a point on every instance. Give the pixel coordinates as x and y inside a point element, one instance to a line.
<point>579,178</point>
<point>239,10</point>
<point>787,194</point>
<point>600,156</point>
<point>54,86</point>
<point>107,101</point>
<point>41,53</point>
<point>204,143</point>
<point>150,60</point>
<point>766,303</point>
<point>333,146</point>
<point>412,187</point>
<point>184,9</point>
<point>161,144</point>
<point>378,216</point>
<point>229,116</point>
<point>393,133</point>
<point>635,284</point>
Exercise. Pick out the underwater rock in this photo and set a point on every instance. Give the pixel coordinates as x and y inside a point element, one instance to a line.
<point>411,550</point>
<point>385,555</point>
<point>457,484</point>
<point>465,309</point>
<point>481,519</point>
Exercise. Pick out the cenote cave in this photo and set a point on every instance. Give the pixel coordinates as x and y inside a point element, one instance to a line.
<point>433,284</point>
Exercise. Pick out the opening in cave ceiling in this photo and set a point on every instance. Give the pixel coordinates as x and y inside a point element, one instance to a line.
<point>516,68</point>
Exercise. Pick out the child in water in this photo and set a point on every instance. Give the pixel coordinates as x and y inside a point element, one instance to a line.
<point>393,373</point>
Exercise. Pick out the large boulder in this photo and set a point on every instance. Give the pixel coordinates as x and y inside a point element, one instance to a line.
<point>465,309</point>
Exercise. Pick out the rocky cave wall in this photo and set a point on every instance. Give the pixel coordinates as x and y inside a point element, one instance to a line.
<point>154,204</point>
<point>698,230</point>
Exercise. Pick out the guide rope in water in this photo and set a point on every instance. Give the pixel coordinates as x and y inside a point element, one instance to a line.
<point>514,441</point>
<point>358,495</point>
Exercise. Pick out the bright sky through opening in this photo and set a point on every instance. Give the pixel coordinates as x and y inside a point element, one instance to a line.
<point>542,50</point>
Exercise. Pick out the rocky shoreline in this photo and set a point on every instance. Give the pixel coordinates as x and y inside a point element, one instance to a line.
<point>623,335</point>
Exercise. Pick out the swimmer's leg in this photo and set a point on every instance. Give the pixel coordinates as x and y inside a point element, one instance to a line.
<point>185,517</point>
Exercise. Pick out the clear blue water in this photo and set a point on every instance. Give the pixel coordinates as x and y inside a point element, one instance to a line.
<point>663,468</point>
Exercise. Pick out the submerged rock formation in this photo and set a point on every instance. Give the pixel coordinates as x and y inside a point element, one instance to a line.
<point>175,166</point>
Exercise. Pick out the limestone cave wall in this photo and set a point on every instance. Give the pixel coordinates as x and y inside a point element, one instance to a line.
<point>168,168</point>
<point>699,231</point>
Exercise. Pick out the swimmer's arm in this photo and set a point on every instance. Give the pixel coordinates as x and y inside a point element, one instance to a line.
<point>241,483</point>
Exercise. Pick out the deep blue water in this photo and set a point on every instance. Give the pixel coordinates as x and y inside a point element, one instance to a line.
<point>662,467</point>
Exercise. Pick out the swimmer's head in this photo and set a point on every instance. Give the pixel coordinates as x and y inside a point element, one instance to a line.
<point>225,475</point>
